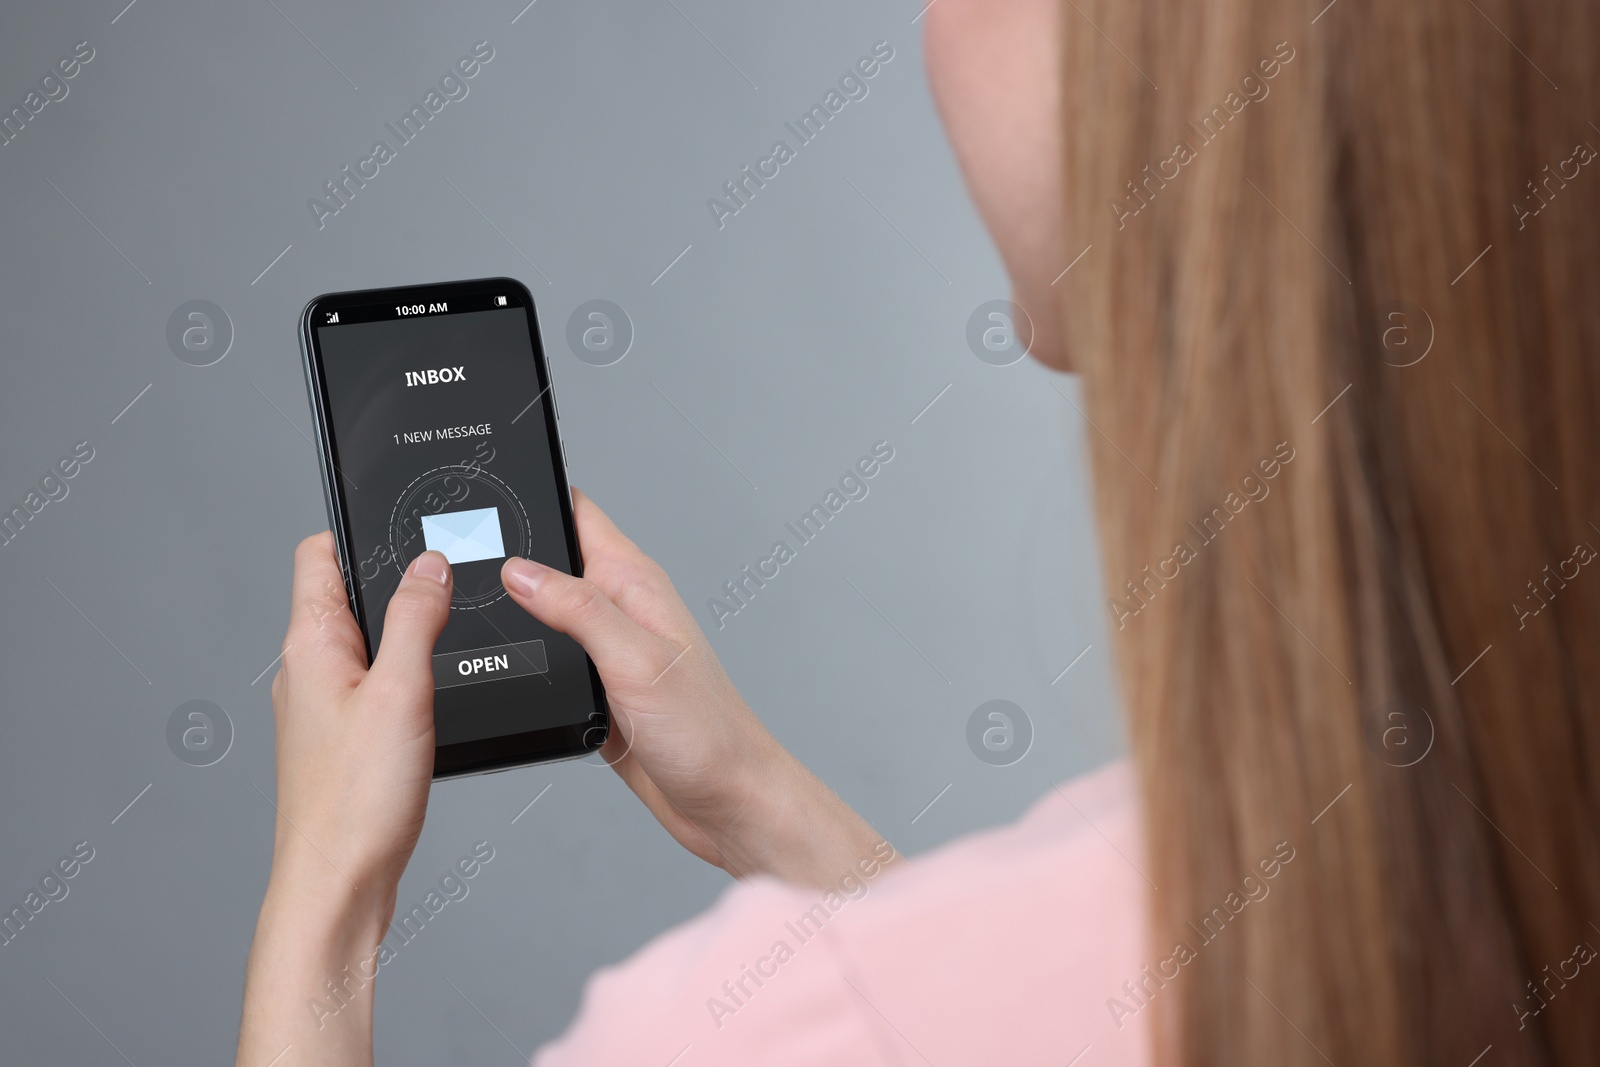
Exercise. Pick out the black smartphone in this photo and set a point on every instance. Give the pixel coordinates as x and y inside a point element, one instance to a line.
<point>436,428</point>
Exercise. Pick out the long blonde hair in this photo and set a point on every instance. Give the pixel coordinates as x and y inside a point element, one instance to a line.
<point>1377,252</point>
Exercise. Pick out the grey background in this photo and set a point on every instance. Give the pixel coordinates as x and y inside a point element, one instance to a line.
<point>808,328</point>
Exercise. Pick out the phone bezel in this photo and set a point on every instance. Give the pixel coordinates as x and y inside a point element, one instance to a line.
<point>495,753</point>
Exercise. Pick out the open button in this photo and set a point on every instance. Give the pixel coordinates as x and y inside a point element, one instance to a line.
<point>515,660</point>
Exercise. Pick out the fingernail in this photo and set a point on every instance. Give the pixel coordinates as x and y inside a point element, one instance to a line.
<point>430,565</point>
<point>524,574</point>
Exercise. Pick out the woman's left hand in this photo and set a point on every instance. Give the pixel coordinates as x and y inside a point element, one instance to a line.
<point>355,759</point>
<point>355,745</point>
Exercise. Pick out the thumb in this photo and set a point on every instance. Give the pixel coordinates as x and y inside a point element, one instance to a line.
<point>622,650</point>
<point>417,613</point>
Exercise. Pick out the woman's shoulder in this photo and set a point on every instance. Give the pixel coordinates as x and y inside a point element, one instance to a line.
<point>1008,941</point>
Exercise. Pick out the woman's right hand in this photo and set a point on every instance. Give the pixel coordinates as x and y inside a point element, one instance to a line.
<point>682,738</point>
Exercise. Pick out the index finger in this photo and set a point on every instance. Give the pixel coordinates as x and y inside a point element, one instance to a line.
<point>322,631</point>
<point>596,529</point>
<point>621,569</point>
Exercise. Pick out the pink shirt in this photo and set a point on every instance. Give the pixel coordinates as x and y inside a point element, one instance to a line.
<point>1001,947</point>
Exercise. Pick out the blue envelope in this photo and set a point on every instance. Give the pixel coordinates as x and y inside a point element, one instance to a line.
<point>464,536</point>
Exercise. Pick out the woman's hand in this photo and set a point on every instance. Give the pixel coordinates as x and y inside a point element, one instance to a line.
<point>355,759</point>
<point>355,746</point>
<point>682,738</point>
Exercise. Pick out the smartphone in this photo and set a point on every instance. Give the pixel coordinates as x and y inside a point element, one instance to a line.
<point>436,428</point>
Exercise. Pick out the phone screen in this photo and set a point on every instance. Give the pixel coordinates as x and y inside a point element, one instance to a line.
<point>439,427</point>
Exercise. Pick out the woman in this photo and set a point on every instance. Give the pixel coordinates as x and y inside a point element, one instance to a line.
<point>1335,317</point>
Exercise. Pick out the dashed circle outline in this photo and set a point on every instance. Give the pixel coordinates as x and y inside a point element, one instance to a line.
<point>468,471</point>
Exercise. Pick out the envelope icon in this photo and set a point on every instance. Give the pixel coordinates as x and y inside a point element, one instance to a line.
<point>464,536</point>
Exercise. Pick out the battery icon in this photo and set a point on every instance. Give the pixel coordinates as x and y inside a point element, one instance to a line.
<point>499,301</point>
